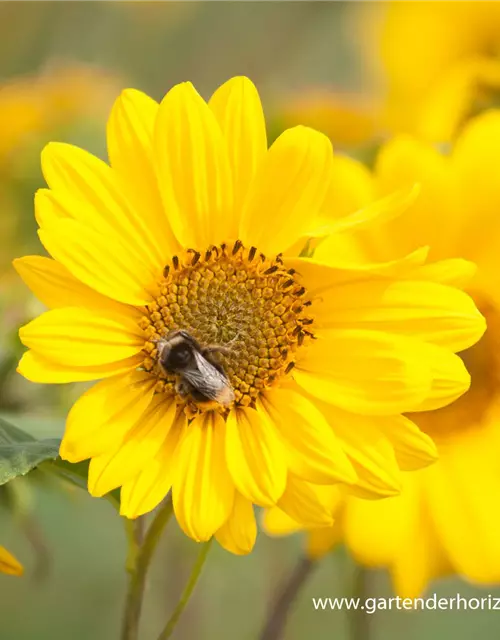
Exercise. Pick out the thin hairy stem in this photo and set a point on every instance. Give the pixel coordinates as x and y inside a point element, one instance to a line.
<point>276,621</point>
<point>186,595</point>
<point>141,551</point>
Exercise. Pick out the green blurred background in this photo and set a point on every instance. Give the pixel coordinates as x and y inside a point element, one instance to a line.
<point>61,65</point>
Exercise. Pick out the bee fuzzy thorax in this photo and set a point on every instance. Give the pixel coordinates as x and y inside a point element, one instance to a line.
<point>199,376</point>
<point>228,317</point>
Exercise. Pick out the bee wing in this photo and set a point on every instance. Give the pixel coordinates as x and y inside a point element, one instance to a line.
<point>206,379</point>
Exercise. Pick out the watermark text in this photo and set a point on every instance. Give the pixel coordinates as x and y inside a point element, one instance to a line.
<point>370,605</point>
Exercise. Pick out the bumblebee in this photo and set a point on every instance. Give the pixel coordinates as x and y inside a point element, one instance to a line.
<point>200,376</point>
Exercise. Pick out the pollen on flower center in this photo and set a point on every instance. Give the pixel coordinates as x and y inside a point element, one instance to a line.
<point>232,297</point>
<point>483,363</point>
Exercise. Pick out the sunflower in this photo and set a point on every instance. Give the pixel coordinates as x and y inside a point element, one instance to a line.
<point>440,61</point>
<point>193,227</point>
<point>446,519</point>
<point>9,564</point>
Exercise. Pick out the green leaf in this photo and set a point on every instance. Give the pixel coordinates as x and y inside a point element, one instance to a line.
<point>20,452</point>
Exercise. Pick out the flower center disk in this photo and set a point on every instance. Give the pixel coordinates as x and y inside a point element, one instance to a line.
<point>231,297</point>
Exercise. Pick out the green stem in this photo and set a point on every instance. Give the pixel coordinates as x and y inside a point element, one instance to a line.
<point>138,561</point>
<point>135,532</point>
<point>181,605</point>
<point>359,620</point>
<point>276,621</point>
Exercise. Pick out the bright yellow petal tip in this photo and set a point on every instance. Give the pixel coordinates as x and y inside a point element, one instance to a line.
<point>9,564</point>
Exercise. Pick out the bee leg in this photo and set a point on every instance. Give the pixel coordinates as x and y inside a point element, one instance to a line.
<point>183,388</point>
<point>160,344</point>
<point>187,392</point>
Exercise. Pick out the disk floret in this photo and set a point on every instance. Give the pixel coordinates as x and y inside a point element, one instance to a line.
<point>234,297</point>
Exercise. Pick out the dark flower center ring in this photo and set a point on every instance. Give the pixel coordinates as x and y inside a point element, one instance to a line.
<point>235,298</point>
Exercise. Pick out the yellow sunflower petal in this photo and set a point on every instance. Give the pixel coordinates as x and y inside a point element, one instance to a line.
<point>130,135</point>
<point>454,272</point>
<point>38,369</point>
<point>475,156</point>
<point>412,572</point>
<point>467,85</point>
<point>203,492</point>
<point>450,378</point>
<point>398,533</point>
<point>48,210</point>
<point>54,285</point>
<point>238,109</point>
<point>466,481</point>
<point>323,541</point>
<point>110,470</point>
<point>370,451</point>
<point>276,522</point>
<point>100,262</point>
<point>321,275</point>
<point>288,190</point>
<point>255,456</point>
<point>149,487</point>
<point>313,452</point>
<point>145,492</point>
<point>430,311</point>
<point>55,207</point>
<point>375,529</point>
<point>100,419</point>
<point>193,169</point>
<point>303,503</point>
<point>239,532</point>
<point>80,337</point>
<point>413,448</point>
<point>349,205</point>
<point>403,161</point>
<point>89,189</point>
<point>350,188</point>
<point>374,213</point>
<point>9,564</point>
<point>365,372</point>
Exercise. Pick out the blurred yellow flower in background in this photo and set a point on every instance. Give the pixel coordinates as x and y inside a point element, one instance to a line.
<point>33,108</point>
<point>346,119</point>
<point>191,228</point>
<point>52,99</point>
<point>441,62</point>
<point>9,564</point>
<point>447,517</point>
<point>19,107</point>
